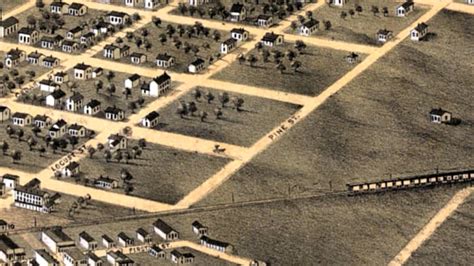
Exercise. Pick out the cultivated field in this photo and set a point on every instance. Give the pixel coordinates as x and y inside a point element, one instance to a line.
<point>320,68</point>
<point>176,42</point>
<point>31,160</point>
<point>8,5</point>
<point>362,27</point>
<point>378,125</point>
<point>159,173</point>
<point>257,117</point>
<point>452,242</point>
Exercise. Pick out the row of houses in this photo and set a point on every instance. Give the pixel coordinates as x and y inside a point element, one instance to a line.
<point>14,57</point>
<point>416,34</point>
<point>147,4</point>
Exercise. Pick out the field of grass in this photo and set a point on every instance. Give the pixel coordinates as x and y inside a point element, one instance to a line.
<point>452,242</point>
<point>160,173</point>
<point>31,161</point>
<point>258,116</point>
<point>320,68</point>
<point>333,230</point>
<point>183,58</point>
<point>10,4</point>
<point>23,77</point>
<point>378,125</point>
<point>361,28</point>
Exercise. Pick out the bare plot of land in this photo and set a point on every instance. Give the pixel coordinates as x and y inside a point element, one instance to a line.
<point>320,67</point>
<point>173,40</point>
<point>378,125</point>
<point>11,4</point>
<point>31,159</point>
<point>452,242</point>
<point>159,173</point>
<point>362,27</point>
<point>256,118</point>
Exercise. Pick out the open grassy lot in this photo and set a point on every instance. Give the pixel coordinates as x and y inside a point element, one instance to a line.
<point>12,78</point>
<point>452,242</point>
<point>31,160</point>
<point>378,125</point>
<point>362,27</point>
<point>172,39</point>
<point>11,4</point>
<point>332,230</point>
<point>199,259</point>
<point>107,96</point>
<point>159,173</point>
<point>320,67</point>
<point>23,218</point>
<point>257,117</point>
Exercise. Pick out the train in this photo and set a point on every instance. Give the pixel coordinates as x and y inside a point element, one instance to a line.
<point>412,182</point>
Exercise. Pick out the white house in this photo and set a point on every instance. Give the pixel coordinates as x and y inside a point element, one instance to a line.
<point>44,258</point>
<point>308,27</point>
<point>384,35</point>
<point>138,58</point>
<point>58,129</point>
<point>48,85</point>
<point>87,241</point>
<point>8,26</point>
<point>34,58</point>
<point>118,18</point>
<point>419,32</point>
<point>264,21</point>
<point>97,72</point>
<point>93,259</point>
<point>164,230</point>
<point>21,119</point>
<point>112,51</point>
<point>50,62</point>
<point>75,102</point>
<point>55,98</point>
<point>470,2</point>
<point>165,60</point>
<point>215,244</point>
<point>151,119</point>
<point>74,33</point>
<point>228,45</point>
<point>77,9</point>
<point>92,108</point>
<point>56,240</point>
<point>114,113</point>
<point>10,181</point>
<point>238,12</point>
<point>60,77</point>
<point>42,121</point>
<point>157,252</point>
<point>106,182</point>
<point>5,113</point>
<point>199,229</point>
<point>143,235</point>
<point>74,257</point>
<point>151,4</point>
<point>405,8</point>
<point>338,3</point>
<point>82,71</point>
<point>440,116</point>
<point>124,240</point>
<point>76,130</point>
<point>117,258</point>
<point>10,252</point>
<point>107,241</point>
<point>158,85</point>
<point>131,3</point>
<point>71,170</point>
<point>180,258</point>
<point>271,39</point>
<point>117,142</point>
<point>59,8</point>
<point>240,34</point>
<point>196,66</point>
<point>28,36</point>
<point>14,57</point>
<point>132,81</point>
